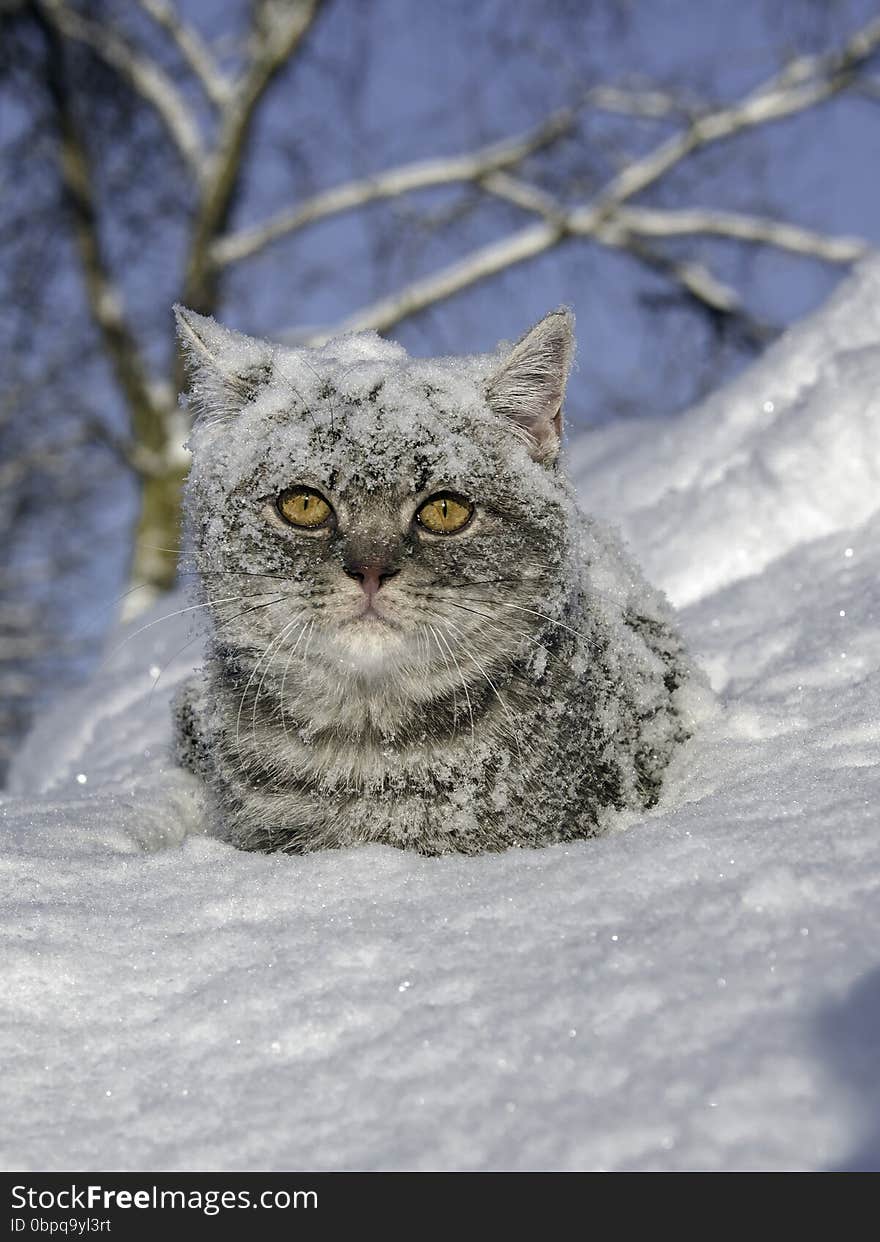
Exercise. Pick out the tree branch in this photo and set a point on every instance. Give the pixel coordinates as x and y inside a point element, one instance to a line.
<point>192,48</point>
<point>808,80</point>
<point>478,265</point>
<point>802,84</point>
<point>425,174</point>
<point>694,278</point>
<point>278,30</point>
<point>143,76</point>
<point>142,461</point>
<point>700,287</point>
<point>650,222</point>
<point>652,104</point>
<point>420,175</point>
<point>145,398</point>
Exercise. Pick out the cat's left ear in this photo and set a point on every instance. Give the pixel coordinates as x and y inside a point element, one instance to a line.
<point>529,386</point>
<point>225,369</point>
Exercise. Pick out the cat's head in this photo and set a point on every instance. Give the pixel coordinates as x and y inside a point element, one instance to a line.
<point>402,520</point>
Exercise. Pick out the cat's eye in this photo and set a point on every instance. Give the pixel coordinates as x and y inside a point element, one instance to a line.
<point>445,514</point>
<point>305,508</point>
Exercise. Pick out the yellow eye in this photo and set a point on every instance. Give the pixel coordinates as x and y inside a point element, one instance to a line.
<point>445,514</point>
<point>303,507</point>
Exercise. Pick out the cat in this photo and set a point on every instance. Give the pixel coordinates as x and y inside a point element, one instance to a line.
<point>417,638</point>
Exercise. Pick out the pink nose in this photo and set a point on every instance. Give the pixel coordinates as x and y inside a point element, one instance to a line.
<point>371,577</point>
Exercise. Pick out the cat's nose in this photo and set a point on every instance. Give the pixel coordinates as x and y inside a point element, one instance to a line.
<point>371,577</point>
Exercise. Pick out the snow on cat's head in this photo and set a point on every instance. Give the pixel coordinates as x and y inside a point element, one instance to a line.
<point>367,505</point>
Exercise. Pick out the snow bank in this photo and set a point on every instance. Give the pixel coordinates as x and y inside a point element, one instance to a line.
<point>700,989</point>
<point>788,452</point>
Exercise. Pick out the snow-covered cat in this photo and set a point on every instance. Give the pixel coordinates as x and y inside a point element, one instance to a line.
<point>417,637</point>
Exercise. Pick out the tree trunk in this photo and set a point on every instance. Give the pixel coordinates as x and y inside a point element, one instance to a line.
<point>158,535</point>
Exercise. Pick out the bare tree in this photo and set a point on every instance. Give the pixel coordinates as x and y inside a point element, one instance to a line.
<point>185,109</point>
<point>211,145</point>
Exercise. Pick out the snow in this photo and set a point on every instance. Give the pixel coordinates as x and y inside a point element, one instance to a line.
<point>699,989</point>
<point>788,452</point>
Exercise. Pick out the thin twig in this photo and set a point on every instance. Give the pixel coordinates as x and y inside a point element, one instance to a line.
<point>144,76</point>
<point>192,48</point>
<point>392,183</point>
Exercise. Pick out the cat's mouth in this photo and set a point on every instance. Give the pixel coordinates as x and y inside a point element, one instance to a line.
<point>370,616</point>
<point>369,644</point>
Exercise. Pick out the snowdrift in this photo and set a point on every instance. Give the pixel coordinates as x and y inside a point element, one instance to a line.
<point>698,990</point>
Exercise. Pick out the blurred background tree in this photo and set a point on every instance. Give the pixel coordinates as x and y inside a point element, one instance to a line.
<point>689,176</point>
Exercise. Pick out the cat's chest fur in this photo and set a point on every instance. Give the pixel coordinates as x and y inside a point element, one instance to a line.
<point>449,775</point>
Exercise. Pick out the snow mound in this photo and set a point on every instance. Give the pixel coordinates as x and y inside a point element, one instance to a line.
<point>700,989</point>
<point>787,452</point>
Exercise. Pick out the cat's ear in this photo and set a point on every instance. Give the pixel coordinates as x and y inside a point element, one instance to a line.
<point>225,369</point>
<point>529,386</point>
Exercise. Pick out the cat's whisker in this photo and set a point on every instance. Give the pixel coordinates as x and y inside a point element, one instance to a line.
<point>292,652</point>
<point>332,403</point>
<point>243,573</point>
<point>464,687</point>
<point>457,582</point>
<point>504,706</point>
<point>117,599</point>
<point>428,662</point>
<point>290,656</point>
<point>499,626</point>
<point>114,602</point>
<point>158,547</point>
<point>306,406</point>
<point>210,569</point>
<point>592,644</point>
<point>309,639</point>
<point>533,611</point>
<point>192,554</point>
<point>275,645</point>
<point>502,581</point>
<point>183,573</point>
<point>306,631</point>
<point>449,671</point>
<point>244,693</point>
<point>211,603</point>
<point>233,572</point>
<point>195,637</point>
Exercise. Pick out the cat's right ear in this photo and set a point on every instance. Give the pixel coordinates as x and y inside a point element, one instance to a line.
<point>529,387</point>
<point>225,369</point>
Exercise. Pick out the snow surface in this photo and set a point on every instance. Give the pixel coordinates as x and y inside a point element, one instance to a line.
<point>698,990</point>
